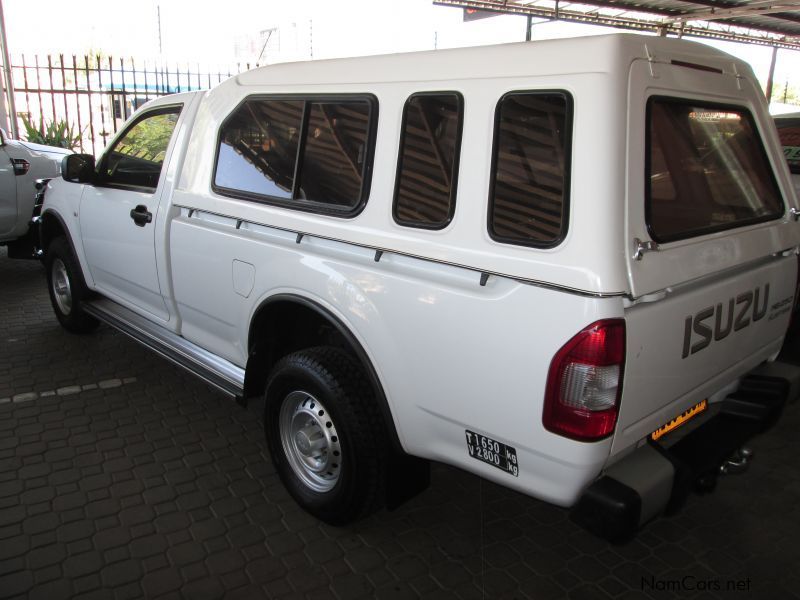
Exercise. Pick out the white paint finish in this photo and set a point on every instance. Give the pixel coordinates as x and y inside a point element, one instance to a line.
<point>451,355</point>
<point>63,199</point>
<point>121,255</point>
<point>596,83</point>
<point>200,259</point>
<point>659,383</point>
<point>8,196</point>
<point>17,192</point>
<point>243,275</point>
<point>593,70</point>
<point>166,211</point>
<point>687,260</point>
<point>465,241</point>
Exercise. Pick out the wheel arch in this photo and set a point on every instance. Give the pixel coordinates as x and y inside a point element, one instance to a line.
<point>51,227</point>
<point>288,322</point>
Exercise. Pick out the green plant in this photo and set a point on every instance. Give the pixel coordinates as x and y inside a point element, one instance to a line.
<point>55,133</point>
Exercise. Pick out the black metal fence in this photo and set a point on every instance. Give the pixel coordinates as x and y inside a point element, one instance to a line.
<point>94,95</point>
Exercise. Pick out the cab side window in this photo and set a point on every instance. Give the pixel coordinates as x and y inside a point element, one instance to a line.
<point>136,159</point>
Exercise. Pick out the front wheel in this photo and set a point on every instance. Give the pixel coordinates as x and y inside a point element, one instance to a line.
<point>67,288</point>
<point>325,434</point>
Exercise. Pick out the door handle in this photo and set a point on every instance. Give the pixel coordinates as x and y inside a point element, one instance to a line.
<point>141,216</point>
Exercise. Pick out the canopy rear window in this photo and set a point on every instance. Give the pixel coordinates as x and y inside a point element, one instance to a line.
<point>706,170</point>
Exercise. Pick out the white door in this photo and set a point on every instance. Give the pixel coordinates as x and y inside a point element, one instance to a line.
<point>118,213</point>
<point>8,195</point>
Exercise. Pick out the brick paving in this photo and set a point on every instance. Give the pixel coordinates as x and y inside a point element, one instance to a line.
<point>123,477</point>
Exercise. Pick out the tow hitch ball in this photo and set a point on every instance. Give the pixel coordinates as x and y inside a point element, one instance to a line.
<point>738,462</point>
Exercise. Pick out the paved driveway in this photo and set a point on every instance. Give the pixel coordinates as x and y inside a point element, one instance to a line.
<point>123,477</point>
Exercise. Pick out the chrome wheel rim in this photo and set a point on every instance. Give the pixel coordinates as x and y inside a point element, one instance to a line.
<point>62,292</point>
<point>310,441</point>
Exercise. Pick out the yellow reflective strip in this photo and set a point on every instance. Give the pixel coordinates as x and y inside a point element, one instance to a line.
<point>679,420</point>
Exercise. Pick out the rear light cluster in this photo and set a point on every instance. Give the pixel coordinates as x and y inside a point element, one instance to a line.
<point>584,383</point>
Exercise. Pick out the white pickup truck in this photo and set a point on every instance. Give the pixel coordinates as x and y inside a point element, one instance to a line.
<point>566,266</point>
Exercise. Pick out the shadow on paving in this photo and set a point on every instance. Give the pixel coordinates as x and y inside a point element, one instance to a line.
<point>152,485</point>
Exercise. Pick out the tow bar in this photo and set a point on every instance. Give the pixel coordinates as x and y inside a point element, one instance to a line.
<point>738,462</point>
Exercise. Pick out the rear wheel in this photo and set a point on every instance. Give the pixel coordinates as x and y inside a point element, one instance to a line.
<point>67,288</point>
<point>325,435</point>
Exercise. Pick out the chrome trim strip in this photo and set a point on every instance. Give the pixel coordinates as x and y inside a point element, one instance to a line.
<point>193,212</point>
<point>214,370</point>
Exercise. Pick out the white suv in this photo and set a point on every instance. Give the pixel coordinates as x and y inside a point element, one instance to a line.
<point>21,164</point>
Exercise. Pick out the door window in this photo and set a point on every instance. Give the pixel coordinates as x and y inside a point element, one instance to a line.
<point>136,159</point>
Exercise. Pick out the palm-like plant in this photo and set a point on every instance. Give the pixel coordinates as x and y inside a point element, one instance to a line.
<point>54,133</point>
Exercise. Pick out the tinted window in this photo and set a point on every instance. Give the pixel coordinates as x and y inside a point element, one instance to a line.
<point>706,170</point>
<point>332,167</point>
<point>137,157</point>
<point>428,161</point>
<point>789,134</point>
<point>310,154</point>
<point>529,197</point>
<point>258,148</point>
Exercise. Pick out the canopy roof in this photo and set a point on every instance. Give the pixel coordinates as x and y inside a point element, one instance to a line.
<point>764,22</point>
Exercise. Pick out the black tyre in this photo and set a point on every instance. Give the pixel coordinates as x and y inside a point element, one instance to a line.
<point>325,434</point>
<point>67,287</point>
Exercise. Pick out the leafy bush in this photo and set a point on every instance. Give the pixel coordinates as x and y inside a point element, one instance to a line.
<point>55,133</point>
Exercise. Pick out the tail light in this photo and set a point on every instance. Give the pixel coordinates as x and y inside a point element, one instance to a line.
<point>584,383</point>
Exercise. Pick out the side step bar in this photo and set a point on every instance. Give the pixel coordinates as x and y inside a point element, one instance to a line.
<point>217,371</point>
<point>658,476</point>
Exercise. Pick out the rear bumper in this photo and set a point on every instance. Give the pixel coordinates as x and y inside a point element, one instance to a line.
<point>657,477</point>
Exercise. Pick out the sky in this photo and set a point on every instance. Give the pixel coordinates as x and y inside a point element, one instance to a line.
<point>199,31</point>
